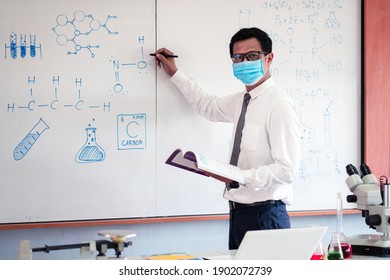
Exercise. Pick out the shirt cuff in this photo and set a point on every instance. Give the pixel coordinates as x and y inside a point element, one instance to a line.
<point>247,177</point>
<point>178,78</point>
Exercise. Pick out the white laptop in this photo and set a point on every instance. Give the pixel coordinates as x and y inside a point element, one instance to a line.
<point>276,244</point>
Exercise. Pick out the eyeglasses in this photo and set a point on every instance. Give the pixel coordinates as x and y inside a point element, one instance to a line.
<point>250,56</point>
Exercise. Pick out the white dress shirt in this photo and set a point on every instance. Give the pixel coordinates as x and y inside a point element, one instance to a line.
<point>270,147</point>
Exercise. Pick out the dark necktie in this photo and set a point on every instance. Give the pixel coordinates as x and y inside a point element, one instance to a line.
<point>238,135</point>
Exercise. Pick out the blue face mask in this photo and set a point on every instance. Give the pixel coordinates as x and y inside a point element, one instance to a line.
<point>249,72</point>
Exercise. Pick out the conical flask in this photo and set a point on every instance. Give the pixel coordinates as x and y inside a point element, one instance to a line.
<point>318,252</point>
<point>91,151</point>
<point>339,236</point>
<point>335,251</point>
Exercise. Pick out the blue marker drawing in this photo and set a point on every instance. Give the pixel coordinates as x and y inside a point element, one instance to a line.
<point>90,151</point>
<point>141,65</point>
<point>23,48</point>
<point>131,131</point>
<point>31,138</point>
<point>33,47</point>
<point>69,30</point>
<point>13,47</point>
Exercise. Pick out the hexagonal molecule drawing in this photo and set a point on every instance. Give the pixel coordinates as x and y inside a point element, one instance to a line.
<point>77,30</point>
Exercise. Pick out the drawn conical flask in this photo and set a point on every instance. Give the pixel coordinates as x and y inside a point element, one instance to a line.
<point>91,151</point>
<point>332,22</point>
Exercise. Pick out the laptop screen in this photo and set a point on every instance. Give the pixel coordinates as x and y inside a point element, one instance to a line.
<point>280,244</point>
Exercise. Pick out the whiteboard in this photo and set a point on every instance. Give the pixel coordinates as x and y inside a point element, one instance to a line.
<point>80,75</point>
<point>86,65</point>
<point>317,55</point>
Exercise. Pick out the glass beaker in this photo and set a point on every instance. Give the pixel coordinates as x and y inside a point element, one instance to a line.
<point>91,151</point>
<point>335,251</point>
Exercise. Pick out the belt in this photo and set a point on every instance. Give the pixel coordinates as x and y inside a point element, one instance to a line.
<point>236,205</point>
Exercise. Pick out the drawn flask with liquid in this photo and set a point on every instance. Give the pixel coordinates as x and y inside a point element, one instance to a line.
<point>91,151</point>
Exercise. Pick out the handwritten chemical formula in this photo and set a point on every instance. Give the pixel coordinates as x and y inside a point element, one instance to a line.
<point>307,37</point>
<point>117,65</point>
<point>79,104</point>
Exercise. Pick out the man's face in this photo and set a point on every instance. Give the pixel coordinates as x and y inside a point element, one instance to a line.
<point>245,46</point>
<point>250,45</point>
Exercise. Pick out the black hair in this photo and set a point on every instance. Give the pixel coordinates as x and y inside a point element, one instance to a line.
<point>253,32</point>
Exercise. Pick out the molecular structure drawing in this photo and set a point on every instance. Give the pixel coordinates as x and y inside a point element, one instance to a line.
<point>77,31</point>
<point>141,65</point>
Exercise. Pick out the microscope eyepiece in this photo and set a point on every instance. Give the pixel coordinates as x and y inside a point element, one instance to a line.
<point>364,170</point>
<point>351,170</point>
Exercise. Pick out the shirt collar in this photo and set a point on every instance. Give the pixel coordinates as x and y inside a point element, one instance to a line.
<point>260,89</point>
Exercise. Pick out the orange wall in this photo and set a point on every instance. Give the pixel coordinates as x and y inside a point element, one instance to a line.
<point>377,86</point>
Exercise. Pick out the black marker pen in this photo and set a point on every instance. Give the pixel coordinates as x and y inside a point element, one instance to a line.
<point>166,55</point>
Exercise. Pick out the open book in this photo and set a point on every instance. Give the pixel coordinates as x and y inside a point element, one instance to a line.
<point>200,164</point>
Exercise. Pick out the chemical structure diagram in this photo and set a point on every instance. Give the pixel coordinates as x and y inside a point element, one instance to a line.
<point>78,104</point>
<point>314,51</point>
<point>78,29</point>
<point>142,64</point>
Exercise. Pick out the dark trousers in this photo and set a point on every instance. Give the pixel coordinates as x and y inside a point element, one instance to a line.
<point>270,216</point>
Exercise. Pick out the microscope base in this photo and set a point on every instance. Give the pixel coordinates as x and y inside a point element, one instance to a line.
<point>370,245</point>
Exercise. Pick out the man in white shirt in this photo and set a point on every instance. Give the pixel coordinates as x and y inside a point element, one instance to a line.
<point>269,152</point>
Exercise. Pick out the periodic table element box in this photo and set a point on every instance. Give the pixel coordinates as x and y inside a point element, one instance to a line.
<point>131,131</point>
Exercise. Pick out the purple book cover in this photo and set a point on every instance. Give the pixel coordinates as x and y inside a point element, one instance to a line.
<point>185,161</point>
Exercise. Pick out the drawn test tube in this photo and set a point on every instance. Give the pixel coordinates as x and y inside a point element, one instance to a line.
<point>23,47</point>
<point>13,46</point>
<point>244,18</point>
<point>33,46</point>
<point>31,138</point>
